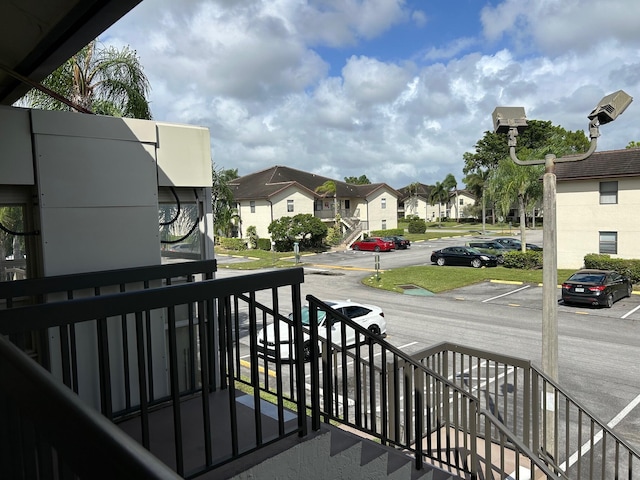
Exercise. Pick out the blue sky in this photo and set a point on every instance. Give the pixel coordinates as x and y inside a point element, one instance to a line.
<point>395,90</point>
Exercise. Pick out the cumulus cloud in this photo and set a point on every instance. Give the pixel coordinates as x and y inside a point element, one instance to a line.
<point>352,87</point>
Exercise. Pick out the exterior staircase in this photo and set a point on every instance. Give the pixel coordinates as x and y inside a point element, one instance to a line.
<point>338,454</point>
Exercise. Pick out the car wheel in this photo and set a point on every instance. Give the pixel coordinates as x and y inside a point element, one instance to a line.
<point>440,261</point>
<point>377,249</point>
<point>356,247</point>
<point>629,290</point>
<point>609,301</point>
<point>476,263</point>
<point>500,259</point>
<point>374,330</point>
<point>306,351</point>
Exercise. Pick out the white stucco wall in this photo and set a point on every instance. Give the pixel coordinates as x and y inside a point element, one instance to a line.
<point>266,211</point>
<point>377,210</point>
<point>260,219</point>
<point>580,218</point>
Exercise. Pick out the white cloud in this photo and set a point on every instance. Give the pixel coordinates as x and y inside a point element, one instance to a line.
<point>258,74</point>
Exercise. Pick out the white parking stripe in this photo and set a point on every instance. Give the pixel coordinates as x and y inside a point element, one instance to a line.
<point>505,294</point>
<point>629,313</point>
<point>598,436</point>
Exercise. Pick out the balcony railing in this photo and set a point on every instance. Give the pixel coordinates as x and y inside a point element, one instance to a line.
<point>155,351</point>
<point>202,371</point>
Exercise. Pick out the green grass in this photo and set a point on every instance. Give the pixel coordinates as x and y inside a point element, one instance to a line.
<point>441,279</point>
<point>258,259</point>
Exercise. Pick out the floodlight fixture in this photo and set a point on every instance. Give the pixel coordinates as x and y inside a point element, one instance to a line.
<point>506,118</point>
<point>610,107</point>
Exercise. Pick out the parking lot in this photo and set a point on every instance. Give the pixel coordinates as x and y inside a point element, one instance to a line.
<point>598,347</point>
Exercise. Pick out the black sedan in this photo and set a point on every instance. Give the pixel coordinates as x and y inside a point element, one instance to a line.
<point>515,244</point>
<point>596,287</point>
<point>465,256</point>
<point>400,242</point>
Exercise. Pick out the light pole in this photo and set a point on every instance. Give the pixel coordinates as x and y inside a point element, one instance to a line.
<point>512,120</point>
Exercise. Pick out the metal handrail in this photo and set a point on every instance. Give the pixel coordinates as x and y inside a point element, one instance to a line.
<point>84,438</point>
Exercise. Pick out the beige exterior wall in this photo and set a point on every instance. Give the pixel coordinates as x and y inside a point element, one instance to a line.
<point>422,209</point>
<point>580,218</point>
<point>267,211</point>
<point>464,201</point>
<point>260,218</point>
<point>381,210</point>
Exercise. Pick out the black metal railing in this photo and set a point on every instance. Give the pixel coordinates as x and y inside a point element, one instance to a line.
<point>171,345</point>
<point>547,420</point>
<point>201,371</point>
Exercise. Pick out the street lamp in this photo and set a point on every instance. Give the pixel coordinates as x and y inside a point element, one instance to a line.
<point>512,120</point>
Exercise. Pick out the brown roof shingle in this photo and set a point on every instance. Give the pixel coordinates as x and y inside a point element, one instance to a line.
<point>606,164</point>
<point>266,183</point>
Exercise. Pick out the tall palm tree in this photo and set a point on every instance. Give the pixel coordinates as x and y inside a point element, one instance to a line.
<point>451,184</point>
<point>476,182</point>
<point>330,188</point>
<point>439,194</point>
<point>103,80</point>
<point>510,182</point>
<point>413,190</point>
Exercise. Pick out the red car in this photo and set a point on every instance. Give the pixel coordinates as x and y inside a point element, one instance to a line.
<point>375,244</point>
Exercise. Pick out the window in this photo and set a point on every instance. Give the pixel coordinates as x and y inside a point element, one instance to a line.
<point>608,242</point>
<point>289,205</point>
<point>384,224</point>
<point>347,204</point>
<point>252,205</point>
<point>608,192</point>
<point>383,202</point>
<point>462,201</point>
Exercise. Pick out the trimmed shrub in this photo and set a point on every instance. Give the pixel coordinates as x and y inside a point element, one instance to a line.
<point>628,267</point>
<point>387,233</point>
<point>334,237</point>
<point>264,244</point>
<point>529,260</point>
<point>232,243</point>
<point>417,225</point>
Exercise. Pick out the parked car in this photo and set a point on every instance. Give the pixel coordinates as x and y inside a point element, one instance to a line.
<point>374,244</point>
<point>400,242</point>
<point>491,247</point>
<point>184,248</point>
<point>596,287</point>
<point>465,256</point>
<point>370,317</point>
<point>515,244</point>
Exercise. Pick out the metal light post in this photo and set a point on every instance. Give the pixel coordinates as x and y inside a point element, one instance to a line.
<point>512,120</point>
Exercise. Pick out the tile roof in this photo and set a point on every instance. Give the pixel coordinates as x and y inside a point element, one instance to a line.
<point>606,164</point>
<point>266,183</point>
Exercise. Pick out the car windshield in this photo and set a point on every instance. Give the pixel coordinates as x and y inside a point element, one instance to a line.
<point>587,277</point>
<point>305,315</point>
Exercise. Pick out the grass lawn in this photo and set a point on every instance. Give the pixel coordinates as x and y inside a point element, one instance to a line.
<point>434,279</point>
<point>440,279</point>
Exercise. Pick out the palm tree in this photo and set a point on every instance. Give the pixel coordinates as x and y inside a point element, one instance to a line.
<point>329,188</point>
<point>439,194</point>
<point>476,182</point>
<point>413,190</point>
<point>510,182</point>
<point>450,183</point>
<point>103,80</point>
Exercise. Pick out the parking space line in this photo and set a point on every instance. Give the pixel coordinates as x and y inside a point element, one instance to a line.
<point>630,312</point>
<point>505,294</point>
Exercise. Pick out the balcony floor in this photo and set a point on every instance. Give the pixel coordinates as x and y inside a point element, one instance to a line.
<point>162,438</point>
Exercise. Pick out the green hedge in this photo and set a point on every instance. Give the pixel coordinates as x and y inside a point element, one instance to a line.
<point>529,260</point>
<point>264,244</point>
<point>232,243</point>
<point>628,267</point>
<point>387,233</point>
<point>417,225</point>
